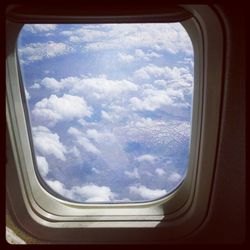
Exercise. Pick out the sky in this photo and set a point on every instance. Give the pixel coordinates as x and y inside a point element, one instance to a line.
<point>110,108</point>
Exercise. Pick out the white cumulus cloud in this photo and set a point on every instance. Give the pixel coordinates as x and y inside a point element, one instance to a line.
<point>35,86</point>
<point>48,143</point>
<point>153,99</point>
<point>139,53</point>
<point>59,187</point>
<point>172,85</point>
<point>42,165</point>
<point>169,37</point>
<point>160,171</point>
<point>123,57</point>
<point>27,94</point>
<point>51,83</point>
<point>96,87</point>
<point>83,141</point>
<point>84,34</point>
<point>85,193</point>
<point>174,177</point>
<point>35,28</point>
<point>167,73</point>
<point>146,157</point>
<point>147,193</point>
<point>54,109</point>
<point>38,51</point>
<point>94,193</point>
<point>132,174</point>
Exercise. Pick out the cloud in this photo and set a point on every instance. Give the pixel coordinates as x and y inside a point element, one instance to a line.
<point>96,171</point>
<point>160,171</point>
<point>35,86</point>
<point>139,53</point>
<point>38,51</point>
<point>174,177</point>
<point>75,152</point>
<point>106,115</point>
<point>169,92</point>
<point>48,143</point>
<point>59,187</point>
<point>189,61</point>
<point>66,108</point>
<point>100,136</point>
<point>123,57</point>
<point>85,193</point>
<point>104,144</point>
<point>167,73</point>
<point>83,141</point>
<point>35,28</point>
<point>87,145</point>
<point>168,95</point>
<point>115,113</point>
<point>27,94</point>
<point>94,134</point>
<point>154,99</point>
<point>51,83</point>
<point>124,200</point>
<point>96,87</point>
<point>168,136</point>
<point>147,193</point>
<point>142,122</point>
<point>46,72</point>
<point>132,174</point>
<point>167,37</point>
<point>161,83</point>
<point>42,165</point>
<point>84,34</point>
<point>126,134</point>
<point>112,151</point>
<point>165,101</point>
<point>94,193</point>
<point>146,157</point>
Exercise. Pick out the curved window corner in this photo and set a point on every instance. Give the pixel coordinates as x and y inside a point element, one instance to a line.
<point>111,124</point>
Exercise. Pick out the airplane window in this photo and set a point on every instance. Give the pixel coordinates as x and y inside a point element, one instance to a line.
<point>110,108</point>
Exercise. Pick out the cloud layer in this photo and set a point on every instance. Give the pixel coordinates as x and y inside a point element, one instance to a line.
<point>35,28</point>
<point>90,193</point>
<point>110,107</point>
<point>54,109</point>
<point>38,51</point>
<point>168,37</point>
<point>48,143</point>
<point>147,193</point>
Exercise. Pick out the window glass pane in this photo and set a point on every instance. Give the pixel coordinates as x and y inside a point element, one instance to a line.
<point>109,107</point>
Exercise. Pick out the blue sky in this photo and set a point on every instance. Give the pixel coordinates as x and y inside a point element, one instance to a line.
<point>110,107</point>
